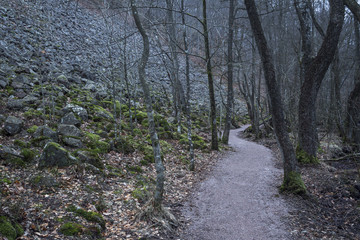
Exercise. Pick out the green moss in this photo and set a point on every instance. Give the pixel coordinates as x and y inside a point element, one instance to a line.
<point>15,161</point>
<point>37,141</point>
<point>32,113</point>
<point>137,131</point>
<point>8,230</point>
<point>135,169</point>
<point>28,154</point>
<point>293,183</point>
<point>21,144</point>
<point>71,229</point>
<point>140,116</point>
<point>88,215</point>
<point>148,153</point>
<point>304,158</point>
<point>141,194</point>
<point>93,142</point>
<point>9,90</point>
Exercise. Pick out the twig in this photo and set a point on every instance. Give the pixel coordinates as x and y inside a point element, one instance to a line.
<point>344,157</point>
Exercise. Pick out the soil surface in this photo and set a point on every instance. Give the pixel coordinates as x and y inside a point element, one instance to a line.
<point>239,199</point>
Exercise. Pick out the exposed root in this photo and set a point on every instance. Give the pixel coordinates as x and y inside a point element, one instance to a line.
<point>159,215</point>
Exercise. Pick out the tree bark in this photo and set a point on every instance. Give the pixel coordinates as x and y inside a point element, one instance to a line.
<point>160,170</point>
<point>353,103</point>
<point>188,90</point>
<point>314,74</point>
<point>214,138</point>
<point>292,179</point>
<point>230,91</point>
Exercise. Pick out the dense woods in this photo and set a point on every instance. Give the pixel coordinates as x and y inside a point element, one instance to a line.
<point>126,103</point>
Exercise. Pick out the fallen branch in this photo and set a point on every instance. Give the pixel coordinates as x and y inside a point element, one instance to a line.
<point>347,157</point>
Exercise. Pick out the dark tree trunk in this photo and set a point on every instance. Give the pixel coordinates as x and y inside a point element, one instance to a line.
<point>292,179</point>
<point>353,103</point>
<point>314,74</point>
<point>214,138</point>
<point>160,170</point>
<point>230,92</point>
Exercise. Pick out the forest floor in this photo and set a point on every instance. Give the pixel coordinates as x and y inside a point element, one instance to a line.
<point>239,198</point>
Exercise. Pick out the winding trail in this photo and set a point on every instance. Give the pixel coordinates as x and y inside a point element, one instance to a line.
<point>239,200</point>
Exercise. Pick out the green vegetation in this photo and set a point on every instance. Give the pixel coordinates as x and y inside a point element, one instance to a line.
<point>9,230</point>
<point>32,129</point>
<point>88,215</point>
<point>71,229</point>
<point>28,154</point>
<point>293,184</point>
<point>93,142</point>
<point>305,158</point>
<point>20,143</point>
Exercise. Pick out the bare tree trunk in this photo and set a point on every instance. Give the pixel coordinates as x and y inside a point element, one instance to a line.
<point>230,92</point>
<point>188,90</point>
<point>292,178</point>
<point>314,74</point>
<point>160,170</point>
<point>214,138</point>
<point>178,91</point>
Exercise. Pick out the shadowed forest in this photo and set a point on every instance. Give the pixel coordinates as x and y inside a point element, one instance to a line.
<point>114,113</point>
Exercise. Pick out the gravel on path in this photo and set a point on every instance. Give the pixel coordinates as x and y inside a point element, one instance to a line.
<point>239,199</point>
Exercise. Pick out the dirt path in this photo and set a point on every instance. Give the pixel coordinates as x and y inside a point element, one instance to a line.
<point>239,200</point>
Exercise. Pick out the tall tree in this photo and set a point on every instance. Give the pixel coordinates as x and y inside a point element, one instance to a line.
<point>292,178</point>
<point>230,91</point>
<point>353,102</point>
<point>188,89</point>
<point>178,92</point>
<point>314,73</point>
<point>214,138</point>
<point>160,170</point>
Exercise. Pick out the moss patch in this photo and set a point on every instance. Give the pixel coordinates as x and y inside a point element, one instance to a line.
<point>71,229</point>
<point>88,215</point>
<point>304,158</point>
<point>8,230</point>
<point>294,184</point>
<point>32,129</point>
<point>28,154</point>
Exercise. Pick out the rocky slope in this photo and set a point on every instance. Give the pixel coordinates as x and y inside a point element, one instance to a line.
<point>76,162</point>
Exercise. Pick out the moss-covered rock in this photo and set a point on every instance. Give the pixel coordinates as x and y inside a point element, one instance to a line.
<point>88,215</point>
<point>21,143</point>
<point>9,230</point>
<point>55,155</point>
<point>304,158</point>
<point>293,183</point>
<point>125,144</point>
<point>71,229</point>
<point>90,157</point>
<point>140,116</point>
<point>93,142</point>
<point>28,154</point>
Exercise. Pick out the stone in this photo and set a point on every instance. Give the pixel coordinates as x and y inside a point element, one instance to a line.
<point>77,110</point>
<point>69,130</point>
<point>45,131</point>
<point>46,181</point>
<point>15,104</point>
<point>90,158</point>
<point>13,125</point>
<point>54,155</point>
<point>73,142</point>
<point>20,81</point>
<point>70,119</point>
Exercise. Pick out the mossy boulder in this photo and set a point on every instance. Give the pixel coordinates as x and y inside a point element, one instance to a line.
<point>70,119</point>
<point>69,130</point>
<point>9,230</point>
<point>44,134</point>
<point>13,125</point>
<point>140,116</point>
<point>54,155</point>
<point>77,110</point>
<point>91,158</point>
<point>101,113</point>
<point>93,142</point>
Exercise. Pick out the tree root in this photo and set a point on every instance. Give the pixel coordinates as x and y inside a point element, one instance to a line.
<point>159,215</point>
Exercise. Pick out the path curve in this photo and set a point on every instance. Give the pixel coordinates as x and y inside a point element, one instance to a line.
<point>239,200</point>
